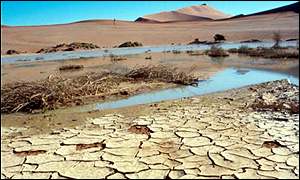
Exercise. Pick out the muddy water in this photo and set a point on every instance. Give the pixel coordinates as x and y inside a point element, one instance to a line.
<point>228,79</point>
<point>128,51</point>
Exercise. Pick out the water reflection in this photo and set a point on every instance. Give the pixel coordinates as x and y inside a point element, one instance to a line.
<point>242,71</point>
<point>218,60</point>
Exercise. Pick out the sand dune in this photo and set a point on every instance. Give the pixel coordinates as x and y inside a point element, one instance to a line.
<point>204,11</point>
<point>192,13</point>
<point>105,33</point>
<point>171,16</point>
<point>284,9</point>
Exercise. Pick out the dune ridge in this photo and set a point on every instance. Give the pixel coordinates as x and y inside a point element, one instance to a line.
<point>192,13</point>
<point>293,8</point>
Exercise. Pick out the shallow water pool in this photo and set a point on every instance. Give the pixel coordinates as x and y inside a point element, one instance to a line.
<point>227,79</point>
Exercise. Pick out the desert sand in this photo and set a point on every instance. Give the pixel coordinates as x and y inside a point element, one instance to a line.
<point>192,13</point>
<point>105,33</point>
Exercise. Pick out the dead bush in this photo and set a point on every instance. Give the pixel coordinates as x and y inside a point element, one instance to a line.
<point>216,51</point>
<point>12,51</point>
<point>115,58</point>
<point>130,44</point>
<point>219,37</point>
<point>148,57</point>
<point>68,47</point>
<point>176,52</point>
<point>70,67</point>
<point>194,53</point>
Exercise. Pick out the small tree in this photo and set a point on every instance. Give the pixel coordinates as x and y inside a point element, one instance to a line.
<point>219,37</point>
<point>277,39</point>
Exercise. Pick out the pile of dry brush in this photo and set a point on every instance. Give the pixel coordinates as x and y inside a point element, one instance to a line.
<point>56,91</point>
<point>161,73</point>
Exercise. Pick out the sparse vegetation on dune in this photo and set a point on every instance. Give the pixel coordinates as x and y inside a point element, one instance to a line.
<point>130,44</point>
<point>57,91</point>
<point>197,41</point>
<point>219,37</point>
<point>68,47</point>
<point>12,51</point>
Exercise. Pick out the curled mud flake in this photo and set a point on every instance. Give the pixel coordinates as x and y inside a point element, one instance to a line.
<point>294,107</point>
<point>80,147</point>
<point>29,153</point>
<point>140,129</point>
<point>272,144</point>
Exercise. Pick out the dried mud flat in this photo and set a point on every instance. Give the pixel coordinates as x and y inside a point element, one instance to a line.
<point>211,136</point>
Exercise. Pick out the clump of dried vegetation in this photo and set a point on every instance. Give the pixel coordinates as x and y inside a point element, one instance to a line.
<point>276,51</point>
<point>216,51</point>
<point>161,73</point>
<point>194,53</point>
<point>57,91</point>
<point>12,51</point>
<point>115,58</point>
<point>265,52</point>
<point>70,67</point>
<point>148,57</point>
<point>130,44</point>
<point>68,47</point>
<point>176,52</point>
<point>219,37</point>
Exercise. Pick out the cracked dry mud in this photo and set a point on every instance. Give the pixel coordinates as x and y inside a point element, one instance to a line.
<point>211,136</point>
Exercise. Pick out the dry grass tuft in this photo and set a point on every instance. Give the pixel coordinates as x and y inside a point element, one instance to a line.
<point>115,58</point>
<point>70,67</point>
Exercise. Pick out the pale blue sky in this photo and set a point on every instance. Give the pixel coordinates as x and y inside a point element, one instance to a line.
<point>18,13</point>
